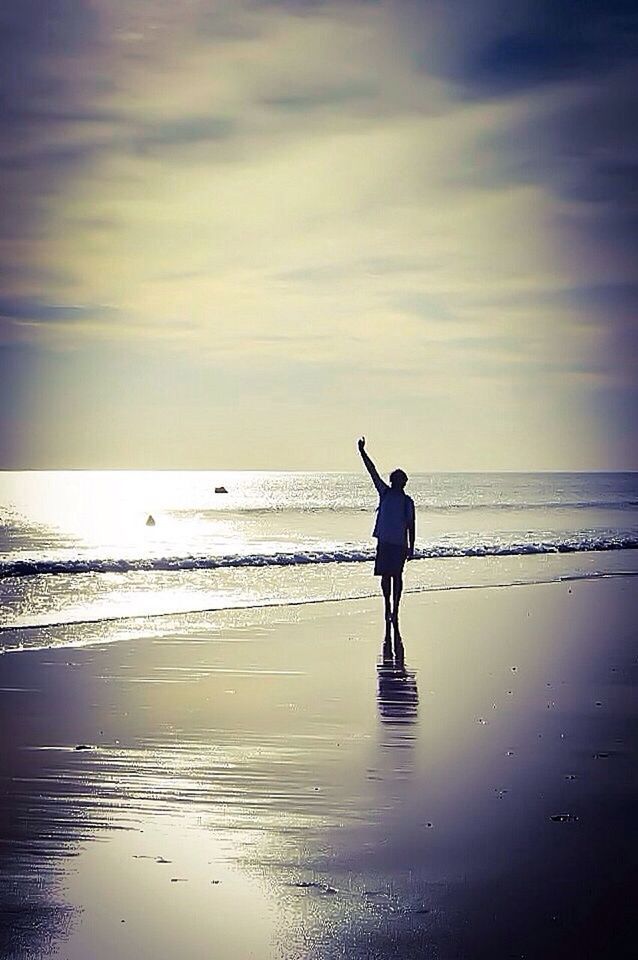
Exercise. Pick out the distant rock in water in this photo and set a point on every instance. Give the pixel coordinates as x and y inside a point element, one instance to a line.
<point>221,490</point>
<point>150,520</point>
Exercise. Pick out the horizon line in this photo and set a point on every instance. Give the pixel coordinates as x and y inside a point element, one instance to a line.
<point>298,470</point>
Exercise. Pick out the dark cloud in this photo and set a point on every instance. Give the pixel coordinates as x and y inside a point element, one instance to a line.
<point>616,306</point>
<point>129,136</point>
<point>32,35</point>
<point>325,95</point>
<point>176,133</point>
<point>597,140</point>
<point>37,42</point>
<point>34,310</point>
<point>580,140</point>
<point>610,307</point>
<point>490,48</point>
<point>34,276</point>
<point>613,298</point>
<point>581,146</point>
<point>56,116</point>
<point>50,160</point>
<point>563,43</point>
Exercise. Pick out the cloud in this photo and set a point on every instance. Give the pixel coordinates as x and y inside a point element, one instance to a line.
<point>334,190</point>
<point>37,51</point>
<point>30,309</point>
<point>180,132</point>
<point>488,54</point>
<point>325,96</point>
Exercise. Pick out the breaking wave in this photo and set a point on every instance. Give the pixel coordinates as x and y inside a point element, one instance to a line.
<point>54,567</point>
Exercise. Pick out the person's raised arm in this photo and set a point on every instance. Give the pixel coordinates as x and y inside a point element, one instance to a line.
<point>380,484</point>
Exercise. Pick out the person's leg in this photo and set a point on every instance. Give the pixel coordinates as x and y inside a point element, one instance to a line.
<point>386,583</point>
<point>397,585</point>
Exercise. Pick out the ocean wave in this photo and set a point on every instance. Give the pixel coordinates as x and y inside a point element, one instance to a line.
<point>534,505</point>
<point>438,506</point>
<point>28,567</point>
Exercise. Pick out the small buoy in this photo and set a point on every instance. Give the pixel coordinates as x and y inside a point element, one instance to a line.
<point>221,490</point>
<point>150,520</point>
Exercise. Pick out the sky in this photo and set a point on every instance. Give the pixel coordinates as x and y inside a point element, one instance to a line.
<point>241,233</point>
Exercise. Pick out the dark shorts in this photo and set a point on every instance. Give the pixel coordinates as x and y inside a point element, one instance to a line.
<point>390,559</point>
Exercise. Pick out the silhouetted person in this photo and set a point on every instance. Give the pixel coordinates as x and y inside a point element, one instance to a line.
<point>395,530</point>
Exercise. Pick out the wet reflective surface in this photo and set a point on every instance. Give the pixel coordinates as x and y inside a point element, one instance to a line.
<point>276,789</point>
<point>398,695</point>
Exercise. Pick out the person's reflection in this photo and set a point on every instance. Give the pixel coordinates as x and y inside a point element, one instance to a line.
<point>398,703</point>
<point>397,695</point>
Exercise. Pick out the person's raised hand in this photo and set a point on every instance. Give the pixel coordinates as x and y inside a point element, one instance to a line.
<point>361,444</point>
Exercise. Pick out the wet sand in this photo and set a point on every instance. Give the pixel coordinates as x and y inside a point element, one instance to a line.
<point>269,788</point>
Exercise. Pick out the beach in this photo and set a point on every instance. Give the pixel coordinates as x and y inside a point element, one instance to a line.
<point>317,319</point>
<point>265,787</point>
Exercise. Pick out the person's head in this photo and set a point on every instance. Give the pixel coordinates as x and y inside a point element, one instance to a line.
<point>398,479</point>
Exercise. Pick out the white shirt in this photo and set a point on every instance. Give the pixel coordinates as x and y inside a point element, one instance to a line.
<point>395,514</point>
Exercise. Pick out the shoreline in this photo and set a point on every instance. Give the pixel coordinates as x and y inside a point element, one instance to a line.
<point>341,809</point>
<point>258,605</point>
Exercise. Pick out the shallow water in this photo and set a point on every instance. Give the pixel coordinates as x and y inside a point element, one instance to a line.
<point>77,558</point>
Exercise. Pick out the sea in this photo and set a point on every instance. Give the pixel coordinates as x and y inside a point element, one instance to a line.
<point>98,556</point>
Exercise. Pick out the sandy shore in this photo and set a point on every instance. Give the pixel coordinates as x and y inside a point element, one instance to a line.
<point>267,789</point>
